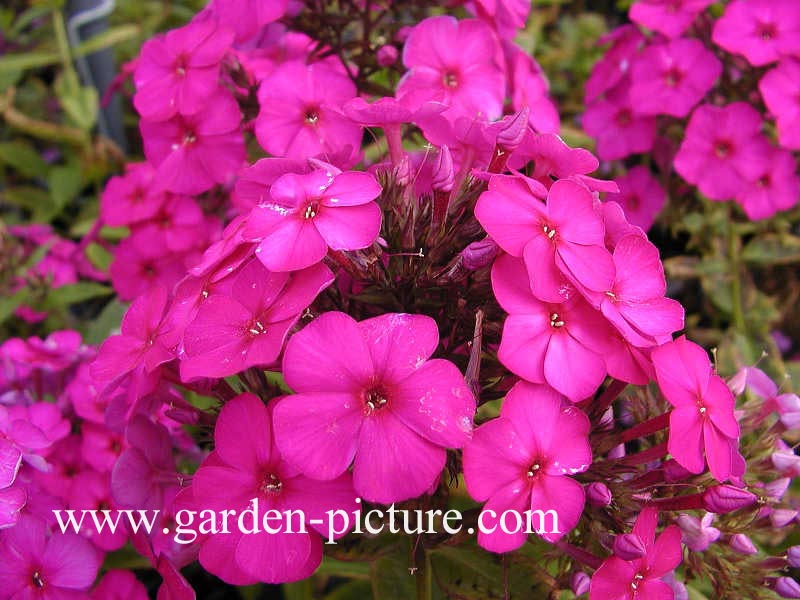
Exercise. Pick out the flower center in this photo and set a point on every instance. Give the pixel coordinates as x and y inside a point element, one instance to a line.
<point>636,581</point>
<point>556,321</point>
<point>37,580</point>
<point>673,77</point>
<point>374,399</point>
<point>624,117</point>
<point>764,181</point>
<point>549,231</point>
<point>311,210</point>
<point>271,484</point>
<point>189,137</point>
<point>766,31</point>
<point>450,79</point>
<point>311,116</point>
<point>180,65</point>
<point>256,327</point>
<point>722,148</point>
<point>533,471</point>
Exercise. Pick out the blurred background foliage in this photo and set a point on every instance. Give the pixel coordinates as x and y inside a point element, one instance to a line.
<point>739,280</point>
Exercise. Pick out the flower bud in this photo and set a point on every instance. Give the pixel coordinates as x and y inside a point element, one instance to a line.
<point>722,499</point>
<point>511,135</point>
<point>781,517</point>
<point>386,56</point>
<point>629,546</point>
<point>776,489</point>
<point>580,583</point>
<point>793,556</point>
<point>738,382</point>
<point>598,494</point>
<point>742,544</point>
<point>786,587</point>
<point>443,172</point>
<point>479,254</point>
<point>786,461</point>
<point>673,472</point>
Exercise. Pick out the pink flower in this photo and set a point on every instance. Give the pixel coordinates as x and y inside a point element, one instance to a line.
<point>617,126</point>
<point>507,16</point>
<point>247,466</point>
<point>562,239</point>
<point>635,303</point>
<point>615,63</point>
<point>253,183</point>
<point>179,71</point>
<point>670,17</point>
<point>773,188</point>
<point>117,584</point>
<point>780,88</point>
<point>367,394</point>
<point>455,62</point>
<point>130,198</point>
<point>35,566</point>
<point>247,326</point>
<point>721,147</point>
<point>529,88</point>
<point>698,534</point>
<point>194,152</point>
<point>760,30</point>
<point>640,195</point>
<point>300,113</point>
<point>703,414</point>
<point>308,214</point>
<point>12,501</point>
<point>540,340</point>
<point>670,78</point>
<point>640,579</point>
<point>247,16</point>
<point>521,461</point>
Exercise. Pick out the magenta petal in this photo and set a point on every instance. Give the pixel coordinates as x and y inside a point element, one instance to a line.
<point>10,461</point>
<point>546,281</point>
<point>301,290</point>
<point>349,227</point>
<point>685,442</point>
<point>223,487</point>
<point>242,434</point>
<point>351,188</point>
<point>589,266</point>
<point>571,210</point>
<point>12,500</point>
<point>295,245</point>
<point>639,273</point>
<point>318,432</point>
<point>562,495</point>
<point>495,457</point>
<point>399,343</point>
<point>524,345</point>
<point>511,221</point>
<point>512,289</point>
<point>612,581</point>
<point>512,497</point>
<point>383,472</point>
<point>535,412</point>
<point>216,556</point>
<point>571,368</point>
<point>70,561</point>
<point>721,404</point>
<point>719,452</point>
<point>317,498</point>
<point>435,402</point>
<point>666,554</point>
<point>279,558</point>
<point>329,355</point>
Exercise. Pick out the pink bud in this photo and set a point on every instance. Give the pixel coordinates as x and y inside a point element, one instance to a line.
<point>786,461</point>
<point>776,489</point>
<point>598,494</point>
<point>514,127</point>
<point>479,254</point>
<point>793,556</point>
<point>443,172</point>
<point>673,472</point>
<point>580,583</point>
<point>698,534</point>
<point>386,56</point>
<point>629,546</point>
<point>786,587</point>
<point>402,172</point>
<point>781,517</point>
<point>722,499</point>
<point>742,544</point>
<point>738,382</point>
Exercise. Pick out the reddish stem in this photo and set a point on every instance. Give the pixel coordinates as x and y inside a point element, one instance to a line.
<point>645,456</point>
<point>644,429</point>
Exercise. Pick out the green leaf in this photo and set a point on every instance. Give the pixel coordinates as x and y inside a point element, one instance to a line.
<point>64,182</point>
<point>15,63</point>
<point>36,200</point>
<point>391,578</point>
<point>24,158</point>
<point>108,38</point>
<point>352,590</point>
<point>77,292</point>
<point>771,249</point>
<point>8,304</point>
<point>99,256</point>
<point>79,102</point>
<point>301,590</point>
<point>108,321</point>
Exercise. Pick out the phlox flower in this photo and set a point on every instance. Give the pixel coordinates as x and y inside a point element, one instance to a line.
<point>253,183</point>
<point>552,158</point>
<point>245,465</point>
<point>507,16</point>
<point>698,534</point>
<point>760,30</point>
<point>641,578</point>
<point>558,344</point>
<point>130,198</point>
<point>640,195</point>
<point>33,565</point>
<point>774,187</point>
<point>306,215</point>
<point>721,148</point>
<point>560,239</point>
<point>12,501</point>
<point>458,63</point>
<point>247,326</point>
<point>117,584</point>
<point>780,88</point>
<point>246,17</point>
<point>177,72</point>
<point>670,78</point>
<point>703,410</point>
<point>300,114</point>
<point>367,394</point>
<point>529,88</point>
<point>91,490</point>
<point>635,303</point>
<point>620,130</point>
<point>26,435</point>
<point>194,152</point>
<point>625,41</point>
<point>670,17</point>
<point>522,461</point>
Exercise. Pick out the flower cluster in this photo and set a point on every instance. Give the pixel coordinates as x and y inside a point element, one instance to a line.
<point>364,270</point>
<point>703,96</point>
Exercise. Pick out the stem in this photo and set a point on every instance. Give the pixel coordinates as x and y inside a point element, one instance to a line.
<point>579,554</point>
<point>424,579</point>
<point>644,429</point>
<point>735,271</point>
<point>690,502</point>
<point>645,456</point>
<point>608,396</point>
